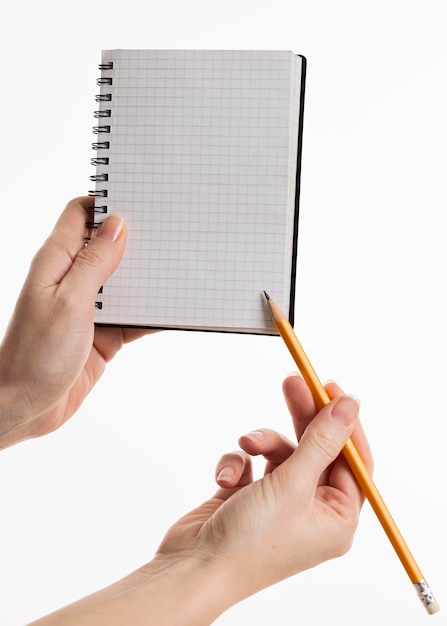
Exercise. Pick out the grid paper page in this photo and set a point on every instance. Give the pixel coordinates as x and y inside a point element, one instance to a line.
<point>202,166</point>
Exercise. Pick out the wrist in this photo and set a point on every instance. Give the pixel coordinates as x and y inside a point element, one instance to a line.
<point>8,405</point>
<point>11,431</point>
<point>196,587</point>
<point>13,420</point>
<point>186,591</point>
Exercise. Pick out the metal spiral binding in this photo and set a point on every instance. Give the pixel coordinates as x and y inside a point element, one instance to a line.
<point>104,81</point>
<point>102,129</point>
<point>102,145</point>
<point>100,161</point>
<point>105,113</point>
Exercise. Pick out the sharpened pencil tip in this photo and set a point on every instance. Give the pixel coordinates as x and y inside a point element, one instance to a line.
<point>267,297</point>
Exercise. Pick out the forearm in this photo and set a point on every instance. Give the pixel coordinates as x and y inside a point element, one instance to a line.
<point>182,592</point>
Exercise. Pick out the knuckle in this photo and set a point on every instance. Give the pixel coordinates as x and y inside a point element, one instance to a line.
<point>325,444</point>
<point>90,257</point>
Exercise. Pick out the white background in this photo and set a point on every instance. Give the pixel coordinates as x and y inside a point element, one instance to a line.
<point>89,503</point>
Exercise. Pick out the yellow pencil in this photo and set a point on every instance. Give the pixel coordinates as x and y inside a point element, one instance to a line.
<point>355,462</point>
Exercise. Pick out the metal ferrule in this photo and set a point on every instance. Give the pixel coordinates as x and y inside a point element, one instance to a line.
<point>424,592</point>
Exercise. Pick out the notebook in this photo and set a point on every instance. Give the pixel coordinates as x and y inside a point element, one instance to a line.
<point>200,152</point>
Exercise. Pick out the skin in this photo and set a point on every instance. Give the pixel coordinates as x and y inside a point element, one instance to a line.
<point>59,294</point>
<point>251,533</point>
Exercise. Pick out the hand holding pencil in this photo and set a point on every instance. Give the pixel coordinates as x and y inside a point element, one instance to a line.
<point>355,462</point>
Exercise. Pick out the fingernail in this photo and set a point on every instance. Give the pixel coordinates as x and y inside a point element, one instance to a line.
<point>255,435</point>
<point>111,228</point>
<point>226,474</point>
<point>345,410</point>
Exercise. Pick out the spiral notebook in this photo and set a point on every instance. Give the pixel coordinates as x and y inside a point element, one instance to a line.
<point>200,152</point>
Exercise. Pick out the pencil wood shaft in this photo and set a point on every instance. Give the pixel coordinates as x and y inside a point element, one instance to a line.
<point>350,452</point>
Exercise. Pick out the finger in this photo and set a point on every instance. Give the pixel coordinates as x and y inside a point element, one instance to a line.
<point>66,240</point>
<point>234,469</point>
<point>108,340</point>
<point>358,435</point>
<point>322,442</point>
<point>333,390</point>
<point>64,252</point>
<point>361,443</point>
<point>99,259</point>
<point>300,401</point>
<point>275,448</point>
<point>340,476</point>
<point>131,334</point>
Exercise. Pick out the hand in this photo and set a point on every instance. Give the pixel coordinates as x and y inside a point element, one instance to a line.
<point>250,534</point>
<point>302,512</point>
<point>52,354</point>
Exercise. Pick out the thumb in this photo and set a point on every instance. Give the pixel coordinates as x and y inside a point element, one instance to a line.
<point>324,438</point>
<point>99,259</point>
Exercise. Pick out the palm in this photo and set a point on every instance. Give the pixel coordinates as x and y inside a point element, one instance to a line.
<point>106,343</point>
<point>184,535</point>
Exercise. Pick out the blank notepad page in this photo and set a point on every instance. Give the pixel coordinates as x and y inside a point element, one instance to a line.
<point>202,164</point>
